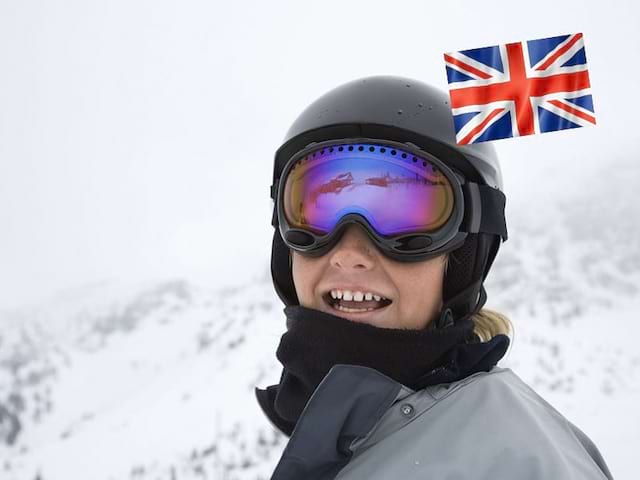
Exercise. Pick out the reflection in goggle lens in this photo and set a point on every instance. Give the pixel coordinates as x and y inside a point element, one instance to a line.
<point>396,191</point>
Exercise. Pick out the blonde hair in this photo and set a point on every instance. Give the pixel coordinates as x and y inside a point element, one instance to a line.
<point>488,323</point>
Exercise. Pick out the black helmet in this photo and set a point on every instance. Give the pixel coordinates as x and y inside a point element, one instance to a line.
<point>409,111</point>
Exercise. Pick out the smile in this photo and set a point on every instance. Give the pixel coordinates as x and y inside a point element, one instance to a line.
<point>353,310</point>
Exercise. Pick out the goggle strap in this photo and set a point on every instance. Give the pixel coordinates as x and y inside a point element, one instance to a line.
<point>484,210</point>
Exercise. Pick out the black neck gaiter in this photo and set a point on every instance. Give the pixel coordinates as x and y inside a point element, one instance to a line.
<point>315,341</point>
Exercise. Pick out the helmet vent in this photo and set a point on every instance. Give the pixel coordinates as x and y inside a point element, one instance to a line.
<point>371,148</point>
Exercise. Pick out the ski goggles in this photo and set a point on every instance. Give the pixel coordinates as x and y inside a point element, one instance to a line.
<point>410,203</point>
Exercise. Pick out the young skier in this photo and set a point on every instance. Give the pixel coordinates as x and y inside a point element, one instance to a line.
<point>385,230</point>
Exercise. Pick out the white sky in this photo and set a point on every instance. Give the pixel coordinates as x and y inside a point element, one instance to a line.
<point>137,138</point>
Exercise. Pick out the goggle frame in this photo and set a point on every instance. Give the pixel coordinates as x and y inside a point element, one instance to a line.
<point>405,247</point>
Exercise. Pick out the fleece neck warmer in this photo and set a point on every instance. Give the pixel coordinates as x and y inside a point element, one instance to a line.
<point>315,341</point>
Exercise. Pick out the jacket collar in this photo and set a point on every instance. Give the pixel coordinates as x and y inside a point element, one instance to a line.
<point>346,406</point>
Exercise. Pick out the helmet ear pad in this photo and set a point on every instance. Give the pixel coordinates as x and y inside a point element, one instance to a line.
<point>281,271</point>
<point>469,265</point>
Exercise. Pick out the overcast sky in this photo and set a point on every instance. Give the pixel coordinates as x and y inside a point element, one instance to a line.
<point>137,137</point>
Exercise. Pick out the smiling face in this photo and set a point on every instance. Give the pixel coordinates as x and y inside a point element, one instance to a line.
<point>355,264</point>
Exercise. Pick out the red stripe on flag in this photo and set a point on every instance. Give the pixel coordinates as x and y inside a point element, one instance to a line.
<point>521,89</point>
<point>479,127</point>
<point>466,67</point>
<point>574,111</point>
<point>537,87</point>
<point>553,57</point>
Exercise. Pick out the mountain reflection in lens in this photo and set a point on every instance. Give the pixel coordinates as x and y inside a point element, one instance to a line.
<point>395,194</point>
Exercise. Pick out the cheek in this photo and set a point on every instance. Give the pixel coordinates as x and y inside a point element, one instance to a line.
<point>422,287</point>
<point>304,273</point>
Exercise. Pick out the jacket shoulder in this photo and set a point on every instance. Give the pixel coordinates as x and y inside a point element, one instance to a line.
<point>488,425</point>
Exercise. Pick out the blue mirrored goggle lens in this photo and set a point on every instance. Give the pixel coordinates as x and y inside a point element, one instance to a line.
<point>395,190</point>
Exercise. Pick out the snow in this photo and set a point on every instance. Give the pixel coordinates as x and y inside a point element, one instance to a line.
<point>156,380</point>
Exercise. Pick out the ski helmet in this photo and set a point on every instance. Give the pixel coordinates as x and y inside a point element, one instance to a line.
<point>405,110</point>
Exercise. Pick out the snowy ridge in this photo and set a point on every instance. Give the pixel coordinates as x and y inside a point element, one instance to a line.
<point>155,381</point>
<point>148,377</point>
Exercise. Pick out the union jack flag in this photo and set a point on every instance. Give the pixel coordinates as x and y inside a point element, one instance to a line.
<point>518,89</point>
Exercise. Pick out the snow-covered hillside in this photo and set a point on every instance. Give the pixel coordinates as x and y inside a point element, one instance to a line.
<point>155,381</point>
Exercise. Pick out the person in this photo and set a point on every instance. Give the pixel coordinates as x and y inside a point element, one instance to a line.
<point>384,232</point>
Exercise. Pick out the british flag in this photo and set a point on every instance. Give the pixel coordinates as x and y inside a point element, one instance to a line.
<point>521,88</point>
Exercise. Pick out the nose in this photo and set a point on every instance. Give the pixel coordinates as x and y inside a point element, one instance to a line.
<point>353,250</point>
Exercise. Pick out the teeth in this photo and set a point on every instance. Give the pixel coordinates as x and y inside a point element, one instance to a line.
<point>346,309</point>
<point>355,296</point>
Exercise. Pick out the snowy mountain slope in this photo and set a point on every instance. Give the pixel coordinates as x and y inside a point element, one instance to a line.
<point>155,381</point>
<point>133,379</point>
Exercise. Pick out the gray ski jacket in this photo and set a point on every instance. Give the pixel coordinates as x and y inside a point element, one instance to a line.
<point>361,424</point>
